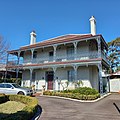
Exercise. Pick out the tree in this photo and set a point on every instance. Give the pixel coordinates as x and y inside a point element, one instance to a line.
<point>3,49</point>
<point>114,54</point>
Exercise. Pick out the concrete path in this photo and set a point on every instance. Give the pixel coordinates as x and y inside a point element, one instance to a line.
<point>60,109</point>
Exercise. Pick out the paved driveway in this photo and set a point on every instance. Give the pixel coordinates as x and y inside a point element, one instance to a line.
<point>60,109</point>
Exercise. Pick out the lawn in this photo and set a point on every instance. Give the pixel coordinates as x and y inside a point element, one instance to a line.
<point>11,107</point>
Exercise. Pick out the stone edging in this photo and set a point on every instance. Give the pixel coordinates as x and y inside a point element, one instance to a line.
<point>103,96</point>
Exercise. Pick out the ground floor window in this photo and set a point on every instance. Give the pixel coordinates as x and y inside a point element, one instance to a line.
<point>71,75</point>
<point>33,76</point>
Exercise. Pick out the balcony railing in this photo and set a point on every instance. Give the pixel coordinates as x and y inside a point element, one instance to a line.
<point>61,58</point>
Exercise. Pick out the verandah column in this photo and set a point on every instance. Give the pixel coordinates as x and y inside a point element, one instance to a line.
<point>31,71</point>
<point>54,77</point>
<point>75,69</point>
<point>32,52</point>
<point>75,50</point>
<point>54,54</point>
<point>100,78</point>
<point>99,47</point>
<point>6,67</point>
<point>17,69</point>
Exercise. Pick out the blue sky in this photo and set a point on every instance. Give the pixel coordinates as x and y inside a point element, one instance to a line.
<point>52,18</point>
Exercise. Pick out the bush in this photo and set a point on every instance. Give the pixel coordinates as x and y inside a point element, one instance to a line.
<point>27,112</point>
<point>83,93</point>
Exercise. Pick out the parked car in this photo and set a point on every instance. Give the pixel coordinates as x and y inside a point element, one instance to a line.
<point>13,88</point>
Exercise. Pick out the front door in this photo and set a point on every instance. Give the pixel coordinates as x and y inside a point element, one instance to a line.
<point>49,78</point>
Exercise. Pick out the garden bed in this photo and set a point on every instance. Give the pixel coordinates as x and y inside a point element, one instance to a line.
<point>25,113</point>
<point>83,93</point>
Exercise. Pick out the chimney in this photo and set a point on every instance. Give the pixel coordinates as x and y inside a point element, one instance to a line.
<point>93,25</point>
<point>32,37</point>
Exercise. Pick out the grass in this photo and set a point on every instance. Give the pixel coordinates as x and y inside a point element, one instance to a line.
<point>11,107</point>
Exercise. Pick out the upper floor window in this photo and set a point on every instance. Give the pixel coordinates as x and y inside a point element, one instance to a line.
<point>35,54</point>
<point>51,54</point>
<point>70,52</point>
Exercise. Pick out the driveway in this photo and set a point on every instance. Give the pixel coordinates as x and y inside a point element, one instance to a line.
<point>61,109</point>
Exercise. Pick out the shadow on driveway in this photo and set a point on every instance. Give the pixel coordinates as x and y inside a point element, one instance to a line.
<point>116,107</point>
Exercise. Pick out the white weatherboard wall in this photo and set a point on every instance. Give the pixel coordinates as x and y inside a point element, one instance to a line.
<point>115,85</point>
<point>93,74</point>
<point>83,46</point>
<point>61,51</point>
<point>61,74</point>
<point>40,79</point>
<point>26,78</point>
<point>27,56</point>
<point>83,74</point>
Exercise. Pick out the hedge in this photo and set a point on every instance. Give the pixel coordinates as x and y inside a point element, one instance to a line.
<point>26,113</point>
<point>83,93</point>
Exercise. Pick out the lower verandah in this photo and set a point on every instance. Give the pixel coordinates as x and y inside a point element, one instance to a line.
<point>56,80</point>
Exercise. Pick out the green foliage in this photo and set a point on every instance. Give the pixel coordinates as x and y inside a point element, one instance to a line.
<point>83,93</point>
<point>27,112</point>
<point>78,83</point>
<point>114,53</point>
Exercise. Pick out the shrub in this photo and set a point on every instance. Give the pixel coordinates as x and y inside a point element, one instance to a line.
<point>83,93</point>
<point>27,112</point>
<point>82,90</point>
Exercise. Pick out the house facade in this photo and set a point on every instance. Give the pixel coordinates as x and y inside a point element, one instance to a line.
<point>60,62</point>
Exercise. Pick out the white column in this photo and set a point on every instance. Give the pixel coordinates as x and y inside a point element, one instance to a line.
<point>54,54</point>
<point>75,50</point>
<point>32,52</point>
<point>75,69</point>
<point>18,58</point>
<point>6,67</point>
<point>54,85</point>
<point>17,69</point>
<point>31,71</point>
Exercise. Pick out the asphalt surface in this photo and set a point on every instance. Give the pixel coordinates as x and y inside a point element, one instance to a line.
<point>61,109</point>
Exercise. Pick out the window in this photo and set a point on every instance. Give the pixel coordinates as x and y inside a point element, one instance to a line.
<point>51,56</point>
<point>35,54</point>
<point>33,76</point>
<point>1,85</point>
<point>51,53</point>
<point>71,75</point>
<point>8,86</point>
<point>70,52</point>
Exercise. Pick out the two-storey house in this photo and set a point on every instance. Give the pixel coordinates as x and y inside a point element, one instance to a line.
<point>72,57</point>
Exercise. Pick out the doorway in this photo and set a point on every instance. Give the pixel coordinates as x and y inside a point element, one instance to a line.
<point>49,79</point>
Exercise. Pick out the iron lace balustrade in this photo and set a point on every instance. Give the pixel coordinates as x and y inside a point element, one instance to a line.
<point>61,58</point>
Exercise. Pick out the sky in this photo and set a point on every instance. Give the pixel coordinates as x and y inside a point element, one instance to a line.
<point>52,18</point>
